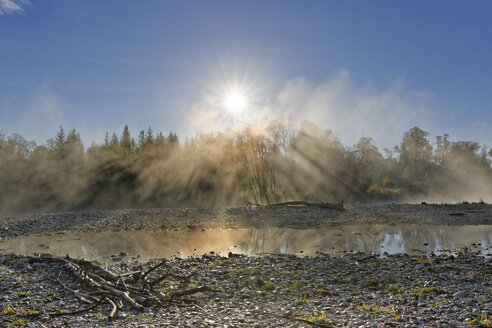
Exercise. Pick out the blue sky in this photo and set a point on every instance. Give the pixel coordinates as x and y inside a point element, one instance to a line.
<point>360,68</point>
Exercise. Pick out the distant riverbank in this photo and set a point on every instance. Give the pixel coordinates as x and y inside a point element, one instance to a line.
<point>279,216</point>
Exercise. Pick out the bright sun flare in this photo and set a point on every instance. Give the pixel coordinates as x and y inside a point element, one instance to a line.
<point>235,102</point>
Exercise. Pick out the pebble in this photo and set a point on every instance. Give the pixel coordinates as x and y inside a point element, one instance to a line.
<point>234,217</point>
<point>324,287</point>
<point>257,291</point>
<point>460,294</point>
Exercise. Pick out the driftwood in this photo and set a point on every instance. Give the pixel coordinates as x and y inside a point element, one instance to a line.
<point>114,308</point>
<point>331,206</point>
<point>101,286</point>
<point>56,314</point>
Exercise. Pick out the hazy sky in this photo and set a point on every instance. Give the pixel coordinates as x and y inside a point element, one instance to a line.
<point>360,68</point>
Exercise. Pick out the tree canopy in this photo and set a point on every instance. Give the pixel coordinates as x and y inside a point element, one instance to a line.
<point>234,167</point>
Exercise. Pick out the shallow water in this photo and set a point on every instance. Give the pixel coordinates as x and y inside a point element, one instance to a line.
<point>376,239</point>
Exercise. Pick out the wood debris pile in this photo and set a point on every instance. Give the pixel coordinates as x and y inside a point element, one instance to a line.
<point>137,289</point>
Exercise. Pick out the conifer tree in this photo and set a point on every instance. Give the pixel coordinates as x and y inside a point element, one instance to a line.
<point>126,139</point>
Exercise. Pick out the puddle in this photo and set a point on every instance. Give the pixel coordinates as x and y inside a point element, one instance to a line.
<point>152,244</point>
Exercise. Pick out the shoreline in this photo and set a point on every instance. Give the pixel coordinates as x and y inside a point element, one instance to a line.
<point>241,217</point>
<point>345,290</point>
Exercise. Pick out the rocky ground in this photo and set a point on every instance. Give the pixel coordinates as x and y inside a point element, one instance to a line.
<point>353,290</point>
<point>283,216</point>
<point>348,290</point>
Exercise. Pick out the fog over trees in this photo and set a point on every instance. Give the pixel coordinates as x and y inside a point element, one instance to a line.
<point>279,163</point>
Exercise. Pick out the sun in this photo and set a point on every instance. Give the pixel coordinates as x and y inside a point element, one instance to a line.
<point>235,102</point>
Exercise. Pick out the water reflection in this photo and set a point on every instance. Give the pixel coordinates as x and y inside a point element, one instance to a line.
<point>364,238</point>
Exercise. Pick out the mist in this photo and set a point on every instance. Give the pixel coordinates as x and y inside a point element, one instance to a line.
<point>259,163</point>
<point>351,108</point>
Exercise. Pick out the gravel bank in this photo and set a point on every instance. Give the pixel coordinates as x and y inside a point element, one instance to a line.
<point>353,290</point>
<point>282,216</point>
<point>349,290</point>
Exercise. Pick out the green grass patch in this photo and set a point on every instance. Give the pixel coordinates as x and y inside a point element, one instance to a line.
<point>326,292</point>
<point>371,283</point>
<point>31,313</point>
<point>423,261</point>
<point>392,289</point>
<point>222,263</point>
<point>19,323</point>
<point>268,286</point>
<point>481,321</point>
<point>318,318</point>
<point>426,290</point>
<point>243,272</point>
<point>7,310</point>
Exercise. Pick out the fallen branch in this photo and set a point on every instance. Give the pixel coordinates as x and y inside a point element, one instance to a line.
<point>114,308</point>
<point>99,285</point>
<point>152,269</point>
<point>57,314</point>
<point>332,206</point>
<point>83,298</point>
<point>194,290</point>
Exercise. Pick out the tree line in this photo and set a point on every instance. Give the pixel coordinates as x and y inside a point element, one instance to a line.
<point>274,164</point>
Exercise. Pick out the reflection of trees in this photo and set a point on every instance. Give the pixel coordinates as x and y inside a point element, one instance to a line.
<point>366,238</point>
<point>292,241</point>
<point>269,240</point>
<point>395,239</point>
<point>442,237</point>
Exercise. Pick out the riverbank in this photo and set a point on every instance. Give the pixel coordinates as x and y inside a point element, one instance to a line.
<point>353,290</point>
<point>345,290</point>
<point>243,217</point>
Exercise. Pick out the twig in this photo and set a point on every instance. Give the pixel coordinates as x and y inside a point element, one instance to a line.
<point>130,273</point>
<point>105,272</point>
<point>84,298</point>
<point>114,308</point>
<point>152,269</point>
<point>158,280</point>
<point>333,206</point>
<point>192,291</point>
<point>102,286</point>
<point>56,314</point>
<point>125,296</point>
